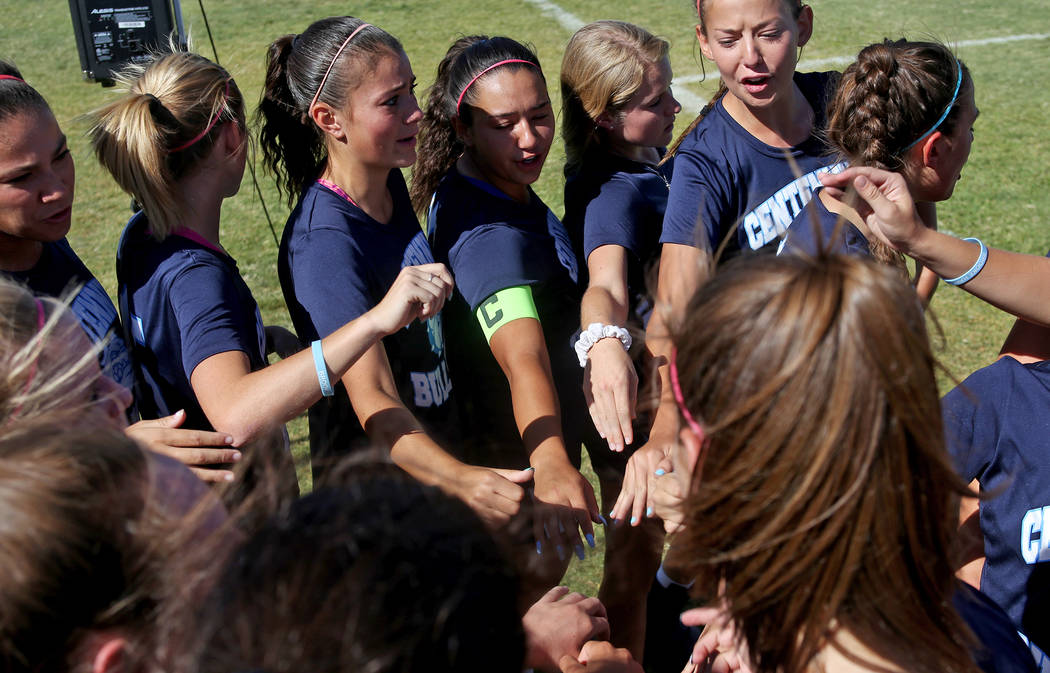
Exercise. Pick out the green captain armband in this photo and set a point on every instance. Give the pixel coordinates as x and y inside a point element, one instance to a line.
<point>505,306</point>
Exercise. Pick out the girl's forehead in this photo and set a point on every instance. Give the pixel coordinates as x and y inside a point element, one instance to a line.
<point>29,130</point>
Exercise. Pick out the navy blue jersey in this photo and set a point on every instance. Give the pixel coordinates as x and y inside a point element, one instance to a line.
<point>802,236</point>
<point>182,301</point>
<point>997,427</point>
<point>727,180</point>
<point>612,200</point>
<point>490,243</point>
<point>335,264</point>
<point>999,648</point>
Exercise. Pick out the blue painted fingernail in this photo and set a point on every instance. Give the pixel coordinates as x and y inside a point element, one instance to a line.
<point>561,552</point>
<point>604,522</point>
<point>580,553</point>
<point>590,540</point>
<point>634,521</point>
<point>660,472</point>
<point>539,547</point>
<point>648,511</point>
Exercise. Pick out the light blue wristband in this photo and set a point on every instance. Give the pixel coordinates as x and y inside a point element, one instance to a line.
<point>322,369</point>
<point>982,258</point>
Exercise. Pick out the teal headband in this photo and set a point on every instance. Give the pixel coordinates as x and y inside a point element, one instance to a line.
<point>944,115</point>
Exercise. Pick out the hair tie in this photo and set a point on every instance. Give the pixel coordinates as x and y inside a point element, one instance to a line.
<point>459,101</point>
<point>944,115</point>
<point>12,77</point>
<point>679,398</point>
<point>334,59</point>
<point>41,318</point>
<point>211,124</point>
<point>295,40</point>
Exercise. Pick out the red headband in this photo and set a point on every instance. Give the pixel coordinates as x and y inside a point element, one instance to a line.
<point>17,79</point>
<point>211,124</point>
<point>679,398</point>
<point>459,101</point>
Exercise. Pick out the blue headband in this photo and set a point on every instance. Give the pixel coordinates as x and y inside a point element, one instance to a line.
<point>944,115</point>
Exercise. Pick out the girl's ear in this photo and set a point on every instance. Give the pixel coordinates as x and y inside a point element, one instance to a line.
<point>931,149</point>
<point>705,48</point>
<point>805,25</point>
<point>328,120</point>
<point>463,132</point>
<point>109,657</point>
<point>605,121</point>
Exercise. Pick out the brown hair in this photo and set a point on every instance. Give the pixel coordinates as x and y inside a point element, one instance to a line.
<point>293,146</point>
<point>605,64</point>
<point>825,480</point>
<point>793,6</point>
<point>894,92</point>
<point>439,146</point>
<point>74,551</point>
<point>146,138</point>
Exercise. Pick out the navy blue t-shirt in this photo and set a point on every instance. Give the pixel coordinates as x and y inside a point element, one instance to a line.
<point>490,243</point>
<point>727,179</point>
<point>612,200</point>
<point>58,271</point>
<point>182,301</point>
<point>999,648</point>
<point>335,264</point>
<point>997,427</point>
<point>802,237</point>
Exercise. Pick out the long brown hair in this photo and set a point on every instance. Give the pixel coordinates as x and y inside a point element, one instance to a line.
<point>827,499</point>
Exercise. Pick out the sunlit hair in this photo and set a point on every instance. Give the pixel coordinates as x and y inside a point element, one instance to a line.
<point>40,376</point>
<point>439,146</point>
<point>145,139</point>
<point>293,145</point>
<point>605,64</point>
<point>825,498</point>
<point>376,574</point>
<point>893,93</point>
<point>75,547</point>
<point>794,8</point>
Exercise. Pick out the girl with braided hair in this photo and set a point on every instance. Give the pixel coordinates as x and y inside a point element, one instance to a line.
<point>903,106</point>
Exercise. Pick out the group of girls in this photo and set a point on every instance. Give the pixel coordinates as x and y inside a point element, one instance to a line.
<point>487,351</point>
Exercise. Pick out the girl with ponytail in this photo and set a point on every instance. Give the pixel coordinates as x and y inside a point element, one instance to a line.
<point>176,142</point>
<point>903,106</point>
<point>339,122</point>
<point>485,134</point>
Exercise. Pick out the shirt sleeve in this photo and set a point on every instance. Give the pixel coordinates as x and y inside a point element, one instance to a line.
<point>330,276</point>
<point>971,421</point>
<point>698,202</point>
<point>211,315</point>
<point>490,258</point>
<point>613,217</point>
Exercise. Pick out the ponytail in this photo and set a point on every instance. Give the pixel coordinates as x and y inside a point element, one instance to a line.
<point>450,96</point>
<point>296,67</point>
<point>162,128</point>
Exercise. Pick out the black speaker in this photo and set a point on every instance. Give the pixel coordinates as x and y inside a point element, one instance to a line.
<point>112,33</point>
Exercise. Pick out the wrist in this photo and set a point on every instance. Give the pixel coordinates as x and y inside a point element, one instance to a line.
<point>596,332</point>
<point>548,458</point>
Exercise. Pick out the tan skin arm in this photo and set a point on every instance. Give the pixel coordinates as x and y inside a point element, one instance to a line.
<point>373,393</point>
<point>610,383</point>
<point>565,500</point>
<point>678,280</point>
<point>243,403</point>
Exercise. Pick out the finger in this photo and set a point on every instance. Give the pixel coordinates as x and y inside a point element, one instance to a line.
<point>599,629</point>
<point>516,476</point>
<point>212,476</point>
<point>592,606</point>
<point>173,421</point>
<point>555,594</point>
<point>610,423</point>
<point>701,616</point>
<point>567,664</point>
<point>205,456</point>
<point>554,529</point>
<point>625,500</point>
<point>178,437</point>
<point>538,516</point>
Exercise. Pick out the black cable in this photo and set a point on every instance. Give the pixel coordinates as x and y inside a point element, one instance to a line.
<point>251,164</point>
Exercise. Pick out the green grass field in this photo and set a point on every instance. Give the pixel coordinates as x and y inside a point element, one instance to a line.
<point>1004,197</point>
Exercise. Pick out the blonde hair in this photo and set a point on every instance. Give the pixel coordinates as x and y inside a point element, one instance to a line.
<point>33,382</point>
<point>161,129</point>
<point>605,64</point>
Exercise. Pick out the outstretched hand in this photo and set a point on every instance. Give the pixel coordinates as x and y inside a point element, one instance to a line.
<point>559,624</point>
<point>718,649</point>
<point>603,657</point>
<point>196,449</point>
<point>610,386</point>
<point>495,495</point>
<point>565,505</point>
<point>417,292</point>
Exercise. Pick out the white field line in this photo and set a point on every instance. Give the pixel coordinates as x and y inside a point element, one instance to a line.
<point>565,19</point>
<point>813,64</point>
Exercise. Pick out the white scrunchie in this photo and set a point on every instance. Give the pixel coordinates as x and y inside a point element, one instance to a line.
<point>594,333</point>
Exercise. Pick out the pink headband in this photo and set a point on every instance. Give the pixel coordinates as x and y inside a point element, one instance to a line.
<point>207,128</point>
<point>334,59</point>
<point>459,101</point>
<point>41,318</point>
<point>17,79</point>
<point>679,398</point>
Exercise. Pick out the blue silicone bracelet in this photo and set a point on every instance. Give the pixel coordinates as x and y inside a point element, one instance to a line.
<point>322,369</point>
<point>982,257</point>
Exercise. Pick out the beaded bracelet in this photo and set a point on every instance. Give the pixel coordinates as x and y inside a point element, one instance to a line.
<point>594,333</point>
<point>982,258</point>
<point>322,369</point>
